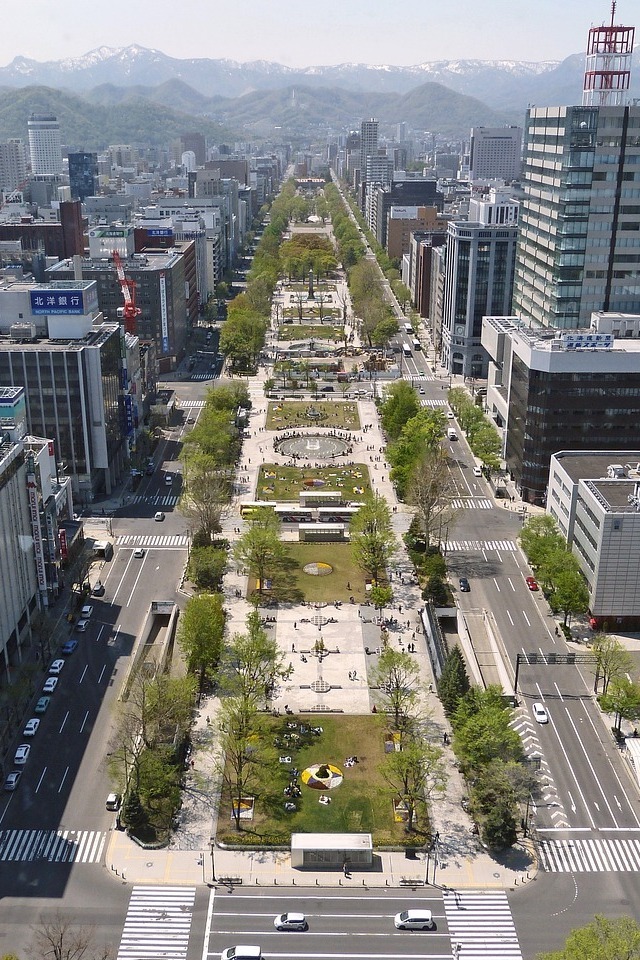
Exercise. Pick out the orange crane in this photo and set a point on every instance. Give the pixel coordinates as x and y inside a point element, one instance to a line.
<point>128,287</point>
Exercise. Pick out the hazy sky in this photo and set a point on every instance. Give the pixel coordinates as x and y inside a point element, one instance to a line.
<point>304,33</point>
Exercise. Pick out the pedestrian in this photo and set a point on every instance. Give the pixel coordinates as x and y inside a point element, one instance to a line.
<point>430,688</point>
<point>295,624</point>
<point>293,648</point>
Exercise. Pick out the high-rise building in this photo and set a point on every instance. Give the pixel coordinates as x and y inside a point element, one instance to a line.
<point>44,145</point>
<point>13,165</point>
<point>83,175</point>
<point>368,144</point>
<point>494,153</point>
<point>579,244</point>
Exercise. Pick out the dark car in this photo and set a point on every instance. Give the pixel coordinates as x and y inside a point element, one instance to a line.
<point>326,389</point>
<point>464,585</point>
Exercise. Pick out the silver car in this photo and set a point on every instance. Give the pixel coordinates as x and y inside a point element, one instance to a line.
<point>291,921</point>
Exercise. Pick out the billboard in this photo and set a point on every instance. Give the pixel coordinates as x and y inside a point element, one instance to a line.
<point>34,513</point>
<point>75,302</point>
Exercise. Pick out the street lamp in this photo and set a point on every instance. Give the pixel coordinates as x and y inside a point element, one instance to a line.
<point>212,844</point>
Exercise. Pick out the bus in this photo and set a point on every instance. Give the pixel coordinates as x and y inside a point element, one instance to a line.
<point>408,329</point>
<point>250,507</point>
<point>320,498</point>
<point>406,349</point>
<point>336,514</point>
<point>293,513</point>
<point>416,344</point>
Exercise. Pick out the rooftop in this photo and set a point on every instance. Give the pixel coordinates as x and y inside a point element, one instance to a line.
<point>617,496</point>
<point>593,464</point>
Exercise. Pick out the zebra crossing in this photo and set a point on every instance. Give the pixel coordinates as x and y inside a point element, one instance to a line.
<point>158,923</point>
<point>192,404</point>
<point>433,404</point>
<point>482,925</point>
<point>419,377</point>
<point>202,376</point>
<point>472,503</point>
<point>55,846</point>
<point>138,540</point>
<point>158,500</point>
<point>468,546</point>
<point>589,855</point>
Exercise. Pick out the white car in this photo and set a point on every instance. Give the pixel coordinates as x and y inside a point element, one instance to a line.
<point>56,667</point>
<point>50,685</point>
<point>86,611</point>
<point>291,921</point>
<point>31,727</point>
<point>414,920</point>
<point>539,713</point>
<point>138,552</point>
<point>477,472</point>
<point>22,754</point>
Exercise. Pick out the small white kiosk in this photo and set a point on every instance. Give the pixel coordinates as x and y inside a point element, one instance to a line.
<point>332,851</point>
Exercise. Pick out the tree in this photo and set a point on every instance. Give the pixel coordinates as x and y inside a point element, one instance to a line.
<point>419,436</point>
<point>400,405</point>
<point>381,597</point>
<point>454,681</point>
<point>430,492</point>
<point>62,939</point>
<point>416,773</point>
<point>205,492</point>
<point>623,700</point>
<point>612,661</point>
<point>259,548</point>
<point>570,593</point>
<point>384,331</point>
<point>373,542</point>
<point>201,635</point>
<point>397,675</point>
<point>482,730</point>
<point>602,939</point>
<point>540,537</point>
<point>243,737</point>
<point>254,664</point>
<point>207,566</point>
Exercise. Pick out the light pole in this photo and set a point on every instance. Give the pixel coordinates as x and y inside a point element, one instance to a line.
<point>212,844</point>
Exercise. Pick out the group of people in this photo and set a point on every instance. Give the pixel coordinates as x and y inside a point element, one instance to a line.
<point>351,761</point>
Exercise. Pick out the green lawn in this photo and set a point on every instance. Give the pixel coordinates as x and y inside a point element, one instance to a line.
<point>363,803</point>
<point>333,413</point>
<point>276,482</point>
<point>334,586</point>
<point>306,331</point>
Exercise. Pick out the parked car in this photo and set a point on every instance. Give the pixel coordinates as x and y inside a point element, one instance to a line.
<point>69,646</point>
<point>56,667</point>
<point>42,705</point>
<point>86,611</point>
<point>531,582</point>
<point>113,801</point>
<point>464,585</point>
<point>50,685</point>
<point>22,754</point>
<point>81,626</point>
<point>12,781</point>
<point>98,590</point>
<point>31,727</point>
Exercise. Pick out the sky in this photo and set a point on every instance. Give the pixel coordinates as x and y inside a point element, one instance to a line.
<point>298,34</point>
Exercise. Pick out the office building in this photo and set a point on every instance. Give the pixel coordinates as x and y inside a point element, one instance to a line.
<point>550,390</point>
<point>368,145</point>
<point>480,263</point>
<point>83,175</point>
<point>13,165</point>
<point>405,191</point>
<point>495,153</point>
<point>594,497</point>
<point>403,222</point>
<point>45,148</point>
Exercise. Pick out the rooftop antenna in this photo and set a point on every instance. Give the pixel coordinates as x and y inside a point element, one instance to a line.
<point>607,72</point>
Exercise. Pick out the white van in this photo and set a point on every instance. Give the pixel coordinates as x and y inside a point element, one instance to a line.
<point>241,952</point>
<point>414,920</point>
<point>451,434</point>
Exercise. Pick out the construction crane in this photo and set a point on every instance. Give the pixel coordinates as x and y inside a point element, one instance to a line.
<point>128,287</point>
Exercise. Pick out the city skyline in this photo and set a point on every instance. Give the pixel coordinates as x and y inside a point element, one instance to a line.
<point>360,32</point>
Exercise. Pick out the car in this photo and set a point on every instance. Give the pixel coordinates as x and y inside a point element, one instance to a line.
<point>168,479</point>
<point>464,585</point>
<point>540,715</point>
<point>42,705</point>
<point>326,389</point>
<point>98,589</point>
<point>421,391</point>
<point>149,469</point>
<point>159,516</point>
<point>81,626</point>
<point>50,685</point>
<point>31,727</point>
<point>86,611</point>
<point>417,919</point>
<point>56,667</point>
<point>531,582</point>
<point>450,415</point>
<point>69,647</point>
<point>113,801</point>
<point>12,781</point>
<point>477,472</point>
<point>22,754</point>
<point>139,552</point>
<point>191,419</point>
<point>291,921</point>
<point>241,952</point>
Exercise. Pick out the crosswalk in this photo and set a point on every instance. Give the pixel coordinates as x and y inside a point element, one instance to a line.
<point>158,923</point>
<point>590,855</point>
<point>202,376</point>
<point>472,503</point>
<point>433,404</point>
<point>419,377</point>
<point>138,540</point>
<point>158,500</point>
<point>478,546</point>
<point>482,925</point>
<point>54,846</point>
<point>192,404</point>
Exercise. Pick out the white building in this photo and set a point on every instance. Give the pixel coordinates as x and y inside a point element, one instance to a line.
<point>495,152</point>
<point>44,145</point>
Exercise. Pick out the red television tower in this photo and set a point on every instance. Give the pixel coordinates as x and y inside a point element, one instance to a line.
<point>608,64</point>
<point>128,287</point>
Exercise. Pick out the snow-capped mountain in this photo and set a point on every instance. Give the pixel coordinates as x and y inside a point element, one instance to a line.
<point>501,84</point>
